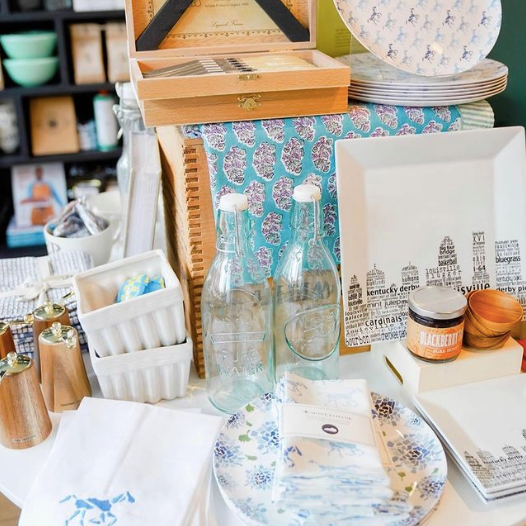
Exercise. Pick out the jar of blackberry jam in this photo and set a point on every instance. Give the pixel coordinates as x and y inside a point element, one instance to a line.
<point>435,325</point>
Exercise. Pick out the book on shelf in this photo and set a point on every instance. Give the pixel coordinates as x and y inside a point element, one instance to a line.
<point>28,236</point>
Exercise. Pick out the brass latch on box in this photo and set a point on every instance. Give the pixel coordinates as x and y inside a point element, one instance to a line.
<point>249,102</point>
<point>249,76</point>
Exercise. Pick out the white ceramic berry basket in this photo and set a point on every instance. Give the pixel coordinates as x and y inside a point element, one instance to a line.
<point>146,322</point>
<point>148,376</point>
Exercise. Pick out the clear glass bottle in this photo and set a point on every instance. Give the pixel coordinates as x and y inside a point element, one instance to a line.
<point>236,311</point>
<point>307,296</point>
<point>130,119</point>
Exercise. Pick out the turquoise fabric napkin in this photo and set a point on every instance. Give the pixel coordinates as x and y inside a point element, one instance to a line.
<point>266,159</point>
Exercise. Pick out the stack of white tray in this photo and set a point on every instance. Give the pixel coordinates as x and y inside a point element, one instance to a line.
<point>483,427</point>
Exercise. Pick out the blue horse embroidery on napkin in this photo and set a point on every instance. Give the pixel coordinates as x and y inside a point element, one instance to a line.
<point>95,511</point>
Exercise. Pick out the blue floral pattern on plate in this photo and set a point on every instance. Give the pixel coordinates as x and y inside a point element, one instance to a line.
<point>247,450</point>
<point>425,37</point>
<point>267,436</point>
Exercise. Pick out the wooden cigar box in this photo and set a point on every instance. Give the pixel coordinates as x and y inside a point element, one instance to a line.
<point>231,29</point>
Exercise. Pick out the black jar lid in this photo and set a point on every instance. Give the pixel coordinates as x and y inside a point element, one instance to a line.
<point>437,303</point>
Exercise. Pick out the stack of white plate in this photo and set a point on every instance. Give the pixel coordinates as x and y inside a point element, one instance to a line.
<point>373,80</point>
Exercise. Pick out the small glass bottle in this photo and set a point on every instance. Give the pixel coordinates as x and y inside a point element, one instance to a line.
<point>236,310</point>
<point>307,296</point>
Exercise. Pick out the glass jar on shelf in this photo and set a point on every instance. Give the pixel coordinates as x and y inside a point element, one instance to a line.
<point>307,296</point>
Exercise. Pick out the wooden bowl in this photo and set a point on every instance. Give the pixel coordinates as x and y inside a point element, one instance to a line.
<point>481,342</point>
<point>473,326</point>
<point>495,310</point>
<point>472,329</point>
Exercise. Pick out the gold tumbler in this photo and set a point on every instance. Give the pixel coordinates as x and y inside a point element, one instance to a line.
<point>43,318</point>
<point>24,420</point>
<point>64,379</point>
<point>7,344</point>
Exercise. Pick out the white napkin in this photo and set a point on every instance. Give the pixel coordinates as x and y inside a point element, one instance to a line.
<point>323,479</point>
<point>311,459</point>
<point>122,463</point>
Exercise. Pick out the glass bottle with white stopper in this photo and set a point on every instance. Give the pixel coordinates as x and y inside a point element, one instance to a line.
<point>307,296</point>
<point>236,310</point>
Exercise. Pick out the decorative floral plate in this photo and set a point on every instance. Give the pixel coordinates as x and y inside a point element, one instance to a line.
<point>247,448</point>
<point>425,37</point>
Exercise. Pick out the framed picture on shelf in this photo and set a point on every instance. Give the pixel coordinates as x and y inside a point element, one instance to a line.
<point>39,193</point>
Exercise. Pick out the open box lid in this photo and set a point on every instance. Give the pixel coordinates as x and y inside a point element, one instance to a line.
<point>209,27</point>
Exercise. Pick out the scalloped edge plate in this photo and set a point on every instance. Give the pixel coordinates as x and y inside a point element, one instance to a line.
<point>247,449</point>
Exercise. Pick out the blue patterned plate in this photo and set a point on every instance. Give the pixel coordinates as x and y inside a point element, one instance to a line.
<point>246,452</point>
<point>425,37</point>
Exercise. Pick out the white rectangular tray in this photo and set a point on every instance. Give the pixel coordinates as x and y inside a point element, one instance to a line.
<point>441,209</point>
<point>484,428</point>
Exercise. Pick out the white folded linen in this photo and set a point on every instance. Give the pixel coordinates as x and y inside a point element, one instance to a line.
<point>306,460</point>
<point>332,478</point>
<point>126,463</point>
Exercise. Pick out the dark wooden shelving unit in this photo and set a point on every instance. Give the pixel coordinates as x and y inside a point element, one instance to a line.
<point>54,89</point>
<point>12,21</point>
<point>80,157</point>
<point>69,15</point>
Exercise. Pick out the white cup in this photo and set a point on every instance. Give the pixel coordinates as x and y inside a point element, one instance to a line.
<point>108,206</point>
<point>98,246</point>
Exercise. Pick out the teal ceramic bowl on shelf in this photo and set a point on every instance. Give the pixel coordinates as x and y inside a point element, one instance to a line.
<point>31,72</point>
<point>29,44</point>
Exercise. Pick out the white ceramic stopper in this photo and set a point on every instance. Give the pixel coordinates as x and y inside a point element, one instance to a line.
<point>233,203</point>
<point>306,193</point>
<point>126,93</point>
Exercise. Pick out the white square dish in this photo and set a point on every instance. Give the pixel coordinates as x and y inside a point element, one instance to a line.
<point>146,322</point>
<point>484,430</point>
<point>148,376</point>
<point>440,209</point>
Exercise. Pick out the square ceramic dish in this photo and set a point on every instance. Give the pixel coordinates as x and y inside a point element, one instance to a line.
<point>147,376</point>
<point>146,322</point>
<point>484,433</point>
<point>445,209</point>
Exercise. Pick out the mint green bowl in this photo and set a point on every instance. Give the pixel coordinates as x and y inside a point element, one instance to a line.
<point>30,72</point>
<point>30,44</point>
